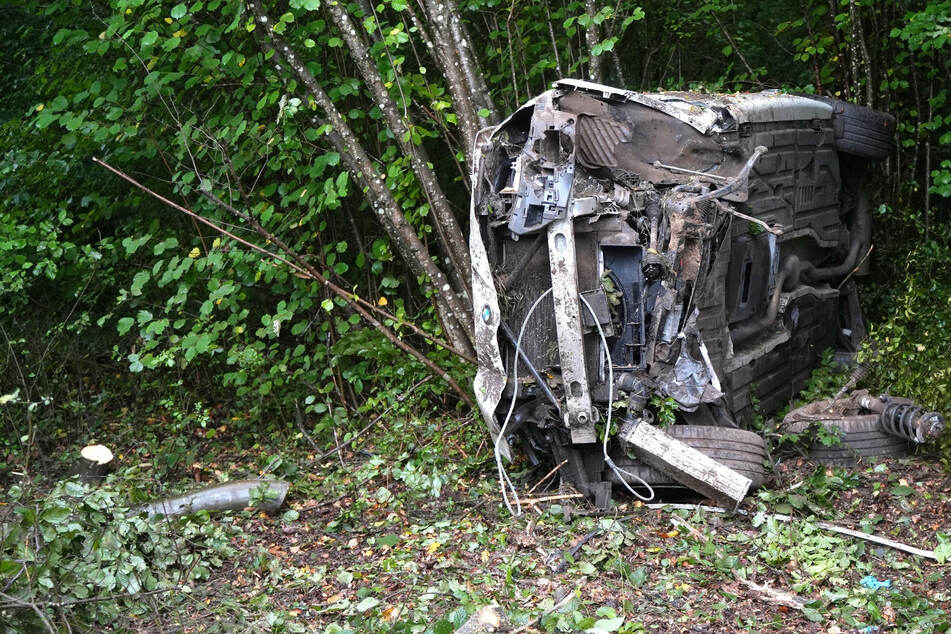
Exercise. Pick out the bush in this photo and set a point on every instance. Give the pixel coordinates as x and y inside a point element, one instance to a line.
<point>78,555</point>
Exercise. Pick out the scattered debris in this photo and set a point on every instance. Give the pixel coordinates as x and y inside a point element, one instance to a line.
<point>872,583</point>
<point>264,495</point>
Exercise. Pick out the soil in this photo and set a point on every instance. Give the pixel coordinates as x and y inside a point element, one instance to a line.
<point>665,576</point>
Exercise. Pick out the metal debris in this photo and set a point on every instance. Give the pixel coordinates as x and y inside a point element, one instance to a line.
<point>693,246</point>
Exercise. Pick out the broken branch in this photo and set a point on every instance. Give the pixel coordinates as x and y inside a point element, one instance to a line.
<point>875,539</point>
<point>548,475</point>
<point>344,295</point>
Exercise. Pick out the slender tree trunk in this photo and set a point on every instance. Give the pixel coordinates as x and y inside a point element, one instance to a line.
<point>452,310</point>
<point>470,63</point>
<point>554,43</point>
<point>447,57</point>
<point>447,226</point>
<point>591,39</point>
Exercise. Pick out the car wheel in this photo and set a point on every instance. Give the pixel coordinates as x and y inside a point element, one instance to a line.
<point>862,131</point>
<point>859,437</point>
<point>741,450</point>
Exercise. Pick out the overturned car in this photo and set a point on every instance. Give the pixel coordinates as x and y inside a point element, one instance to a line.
<point>639,255</point>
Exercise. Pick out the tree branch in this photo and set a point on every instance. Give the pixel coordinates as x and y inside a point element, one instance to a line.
<point>316,276</point>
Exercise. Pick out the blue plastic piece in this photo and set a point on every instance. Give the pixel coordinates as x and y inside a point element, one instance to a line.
<point>872,583</point>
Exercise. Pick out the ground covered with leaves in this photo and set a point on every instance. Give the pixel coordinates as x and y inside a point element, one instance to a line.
<point>413,537</point>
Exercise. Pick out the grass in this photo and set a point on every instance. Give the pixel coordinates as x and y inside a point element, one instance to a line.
<point>408,534</point>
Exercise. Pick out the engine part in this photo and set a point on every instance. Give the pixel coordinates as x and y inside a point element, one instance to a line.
<point>914,423</point>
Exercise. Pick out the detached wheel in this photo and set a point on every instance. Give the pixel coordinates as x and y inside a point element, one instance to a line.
<point>862,131</point>
<point>741,450</point>
<point>859,437</point>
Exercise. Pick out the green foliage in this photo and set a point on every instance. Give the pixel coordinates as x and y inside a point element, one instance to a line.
<point>82,548</point>
<point>665,410</point>
<point>911,338</point>
<point>816,494</point>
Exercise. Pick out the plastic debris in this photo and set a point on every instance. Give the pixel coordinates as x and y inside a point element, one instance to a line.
<point>872,583</point>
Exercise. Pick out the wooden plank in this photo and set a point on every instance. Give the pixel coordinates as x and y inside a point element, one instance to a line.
<point>686,465</point>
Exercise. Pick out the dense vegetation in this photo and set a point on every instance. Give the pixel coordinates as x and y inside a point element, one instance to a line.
<point>294,262</point>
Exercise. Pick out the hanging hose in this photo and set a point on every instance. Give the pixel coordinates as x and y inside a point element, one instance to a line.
<point>607,425</point>
<point>504,480</point>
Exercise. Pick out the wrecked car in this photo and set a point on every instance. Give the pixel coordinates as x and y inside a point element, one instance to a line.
<point>648,256</point>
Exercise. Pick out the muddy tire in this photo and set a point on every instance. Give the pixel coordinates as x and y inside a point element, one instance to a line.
<point>861,131</point>
<point>742,451</point>
<point>860,437</point>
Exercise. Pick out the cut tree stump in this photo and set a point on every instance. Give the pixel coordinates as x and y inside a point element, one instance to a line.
<point>95,463</point>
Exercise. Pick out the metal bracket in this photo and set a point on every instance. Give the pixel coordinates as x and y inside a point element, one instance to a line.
<point>580,416</point>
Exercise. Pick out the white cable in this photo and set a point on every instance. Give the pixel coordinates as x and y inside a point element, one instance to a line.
<point>503,476</point>
<point>607,425</point>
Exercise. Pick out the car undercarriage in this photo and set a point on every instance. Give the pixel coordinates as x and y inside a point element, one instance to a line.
<point>645,256</point>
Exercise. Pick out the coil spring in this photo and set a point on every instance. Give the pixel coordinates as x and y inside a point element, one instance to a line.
<point>912,422</point>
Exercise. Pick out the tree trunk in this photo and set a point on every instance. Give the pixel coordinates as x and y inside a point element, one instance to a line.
<point>591,39</point>
<point>445,222</point>
<point>447,57</point>
<point>455,315</point>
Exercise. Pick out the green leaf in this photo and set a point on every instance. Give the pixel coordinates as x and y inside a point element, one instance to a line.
<point>609,625</point>
<point>305,5</point>
<point>327,304</point>
<point>55,515</point>
<point>125,324</point>
<point>178,11</point>
<point>942,552</point>
<point>149,39</point>
<point>902,491</point>
<point>727,50</point>
<point>141,279</point>
<point>367,604</point>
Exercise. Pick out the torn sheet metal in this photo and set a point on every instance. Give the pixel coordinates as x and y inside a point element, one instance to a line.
<point>670,214</point>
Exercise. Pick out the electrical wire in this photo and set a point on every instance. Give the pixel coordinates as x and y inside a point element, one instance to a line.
<point>619,472</point>
<point>503,476</point>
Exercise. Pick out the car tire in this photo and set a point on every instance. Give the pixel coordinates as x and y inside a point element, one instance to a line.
<point>741,450</point>
<point>861,131</point>
<point>860,436</point>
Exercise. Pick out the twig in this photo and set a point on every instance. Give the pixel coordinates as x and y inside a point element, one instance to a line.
<point>568,597</point>
<point>299,419</point>
<point>337,443</point>
<point>548,475</point>
<point>551,498</point>
<point>857,267</point>
<point>729,39</point>
<point>875,539</point>
<point>399,399</point>
<point>563,560</point>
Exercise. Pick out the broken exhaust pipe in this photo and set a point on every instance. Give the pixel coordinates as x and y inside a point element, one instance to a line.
<point>230,496</point>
